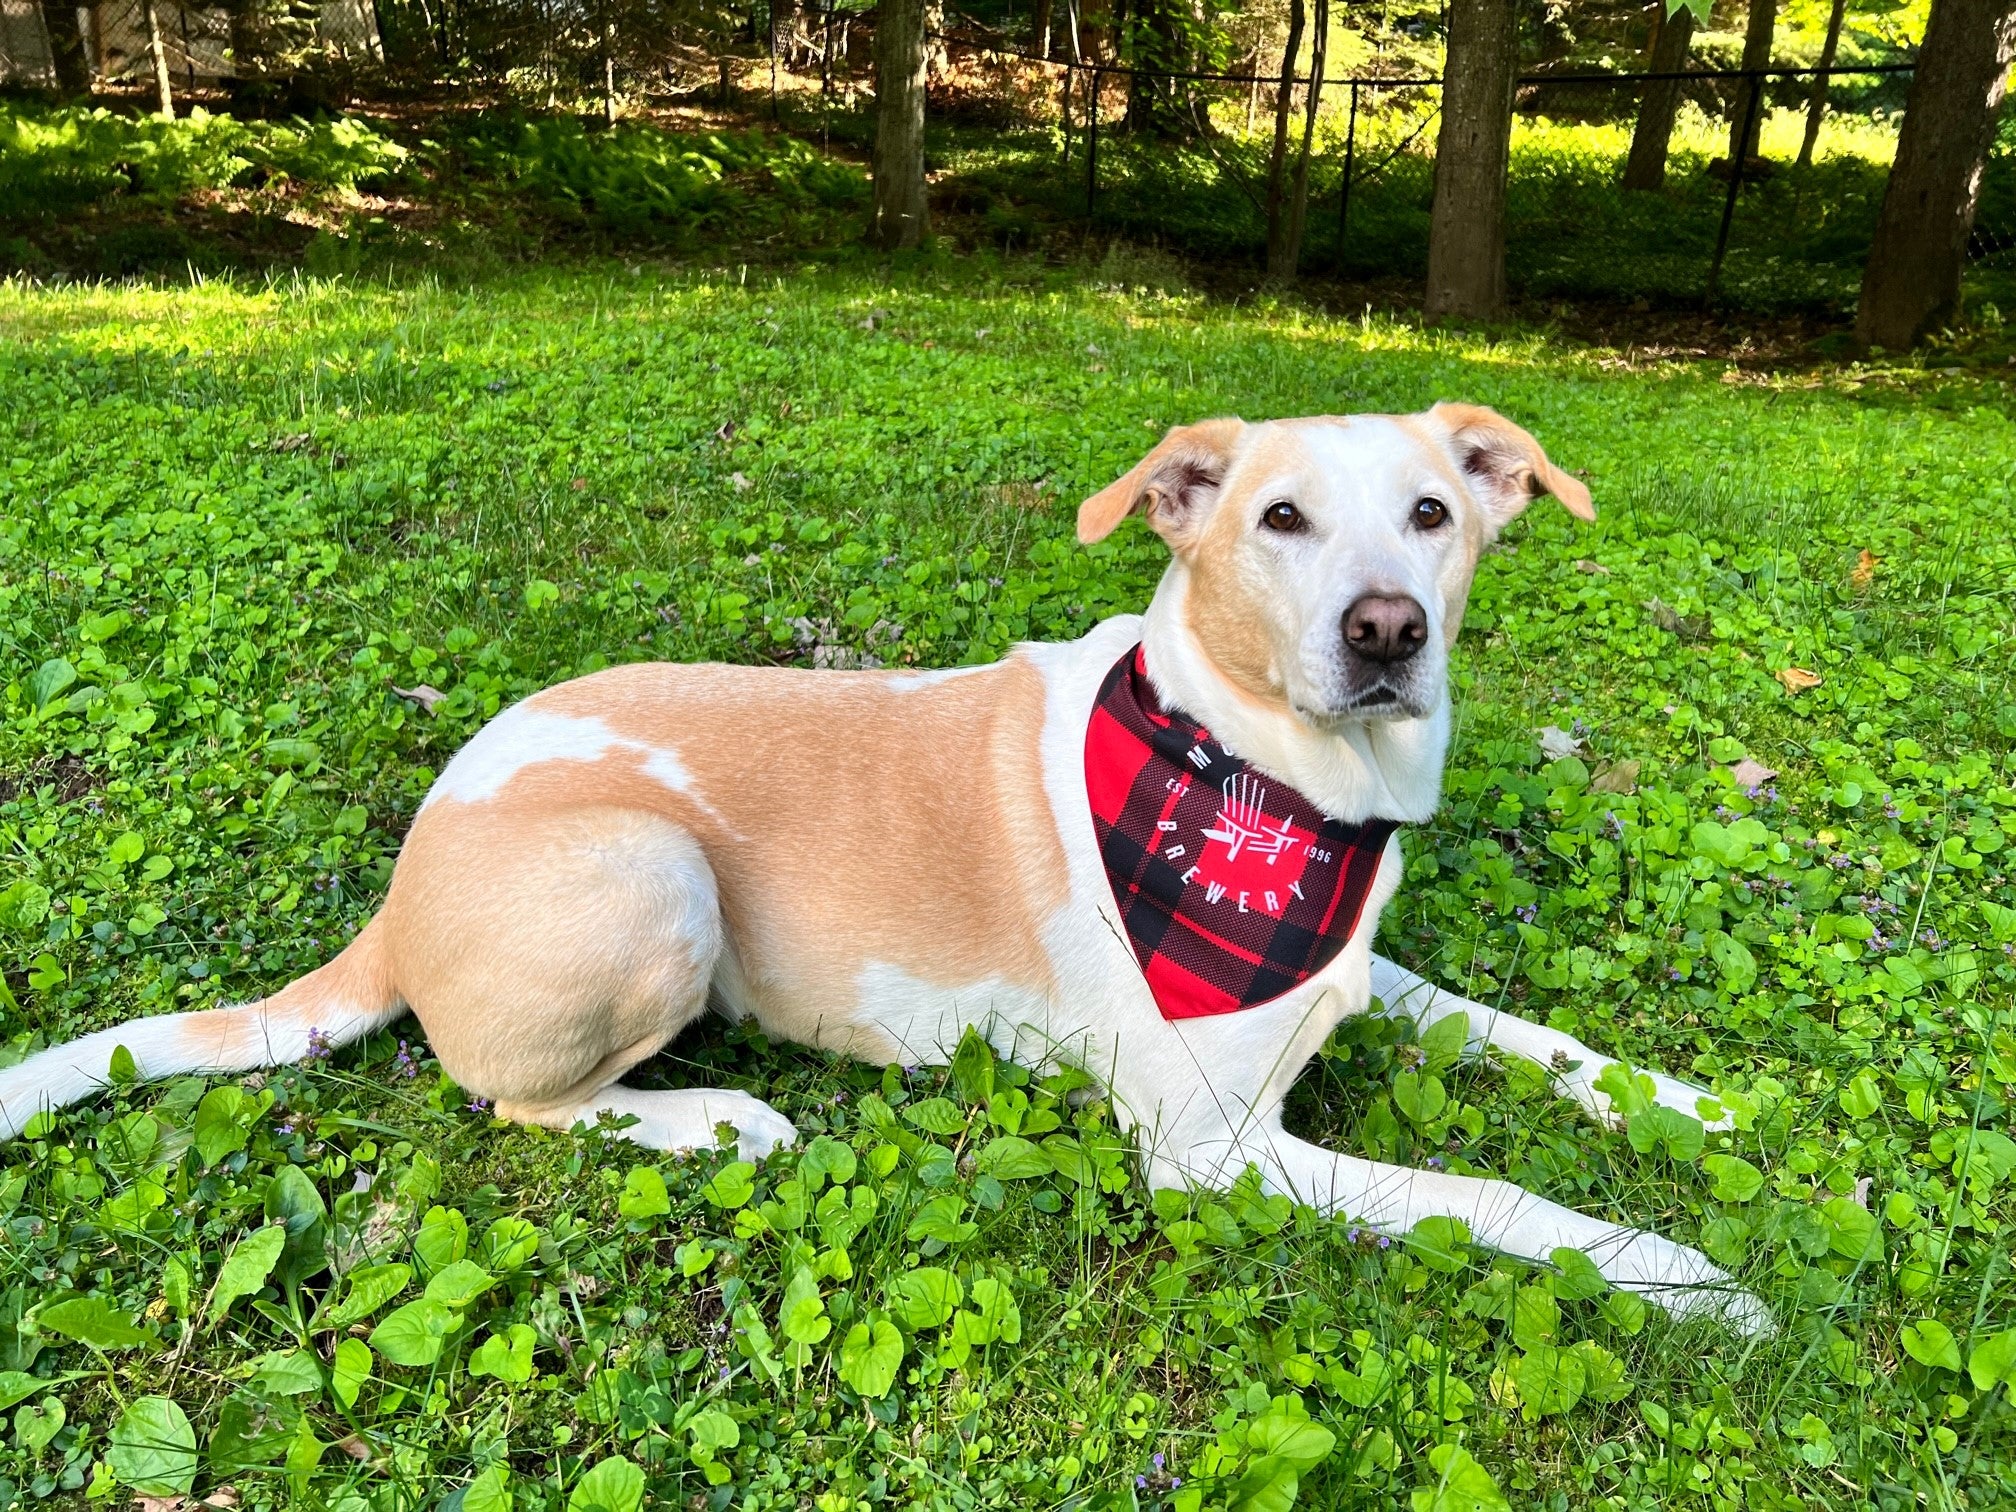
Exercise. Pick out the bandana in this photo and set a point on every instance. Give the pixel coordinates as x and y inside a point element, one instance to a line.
<point>1233,888</point>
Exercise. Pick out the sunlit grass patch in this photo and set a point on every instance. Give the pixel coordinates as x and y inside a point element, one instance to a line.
<point>235,518</point>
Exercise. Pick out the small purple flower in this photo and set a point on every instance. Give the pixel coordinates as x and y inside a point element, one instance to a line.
<point>1434,1162</point>
<point>404,1063</point>
<point>320,1046</point>
<point>1175,1481</point>
<point>1840,862</point>
<point>1929,938</point>
<point>1890,810</point>
<point>479,1105</point>
<point>1528,911</point>
<point>1612,825</point>
<point>1672,973</point>
<point>1724,812</point>
<point>1385,1242</point>
<point>1140,1483</point>
<point>1754,791</point>
<point>1158,1462</point>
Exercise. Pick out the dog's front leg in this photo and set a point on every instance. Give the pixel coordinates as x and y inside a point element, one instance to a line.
<point>1499,1215</point>
<point>1573,1066</point>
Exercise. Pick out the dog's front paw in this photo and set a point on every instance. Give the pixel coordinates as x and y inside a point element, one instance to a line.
<point>1578,1084</point>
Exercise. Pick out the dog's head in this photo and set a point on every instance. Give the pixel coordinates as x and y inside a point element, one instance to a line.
<point>1327,560</point>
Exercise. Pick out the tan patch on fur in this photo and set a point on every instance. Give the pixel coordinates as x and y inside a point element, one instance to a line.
<point>846,824</point>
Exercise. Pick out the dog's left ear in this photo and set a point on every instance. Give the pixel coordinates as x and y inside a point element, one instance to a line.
<point>1505,465</point>
<point>1173,485</point>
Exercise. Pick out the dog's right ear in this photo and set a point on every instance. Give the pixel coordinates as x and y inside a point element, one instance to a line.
<point>1173,485</point>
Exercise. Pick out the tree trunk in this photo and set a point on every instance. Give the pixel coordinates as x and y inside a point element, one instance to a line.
<point>1466,228</point>
<point>1912,283</point>
<point>1646,167</point>
<point>1756,54</point>
<point>900,217</point>
<point>1283,262</point>
<point>1041,28</point>
<point>157,52</point>
<point>1816,103</point>
<point>1277,164</point>
<point>247,48</point>
<point>66,47</point>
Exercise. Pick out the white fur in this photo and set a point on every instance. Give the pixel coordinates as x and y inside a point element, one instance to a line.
<point>168,1045</point>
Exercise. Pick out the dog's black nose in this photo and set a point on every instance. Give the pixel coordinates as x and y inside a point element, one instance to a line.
<point>1385,628</point>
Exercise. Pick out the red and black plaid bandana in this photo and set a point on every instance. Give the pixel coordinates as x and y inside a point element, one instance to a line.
<point>1234,887</point>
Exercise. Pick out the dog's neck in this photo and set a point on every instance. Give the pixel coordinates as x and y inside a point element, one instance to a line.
<point>1353,771</point>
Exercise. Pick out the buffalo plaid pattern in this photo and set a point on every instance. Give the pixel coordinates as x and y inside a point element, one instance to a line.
<point>1233,887</point>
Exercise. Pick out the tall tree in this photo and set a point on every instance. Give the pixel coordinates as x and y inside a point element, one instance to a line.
<point>1466,228</point>
<point>1040,28</point>
<point>1284,258</point>
<point>66,47</point>
<point>1284,107</point>
<point>157,52</point>
<point>1816,102</point>
<point>1756,55</point>
<point>900,216</point>
<point>1673,33</point>
<point>1912,283</point>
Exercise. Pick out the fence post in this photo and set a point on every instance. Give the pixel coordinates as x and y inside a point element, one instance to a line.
<point>1344,196</point>
<point>1092,144</point>
<point>1755,93</point>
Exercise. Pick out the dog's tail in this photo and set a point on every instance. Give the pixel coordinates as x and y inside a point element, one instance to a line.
<point>332,1005</point>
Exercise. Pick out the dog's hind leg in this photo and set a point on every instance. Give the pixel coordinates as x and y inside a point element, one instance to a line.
<point>1572,1065</point>
<point>549,953</point>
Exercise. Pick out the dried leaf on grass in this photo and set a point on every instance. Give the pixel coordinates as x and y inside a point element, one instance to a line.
<point>1797,679</point>
<point>1619,777</point>
<point>1555,743</point>
<point>422,694</point>
<point>1750,774</point>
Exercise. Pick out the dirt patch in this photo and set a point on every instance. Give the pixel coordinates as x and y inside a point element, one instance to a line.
<point>70,777</point>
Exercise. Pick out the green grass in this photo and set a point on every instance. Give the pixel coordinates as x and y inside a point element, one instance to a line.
<point>236,519</point>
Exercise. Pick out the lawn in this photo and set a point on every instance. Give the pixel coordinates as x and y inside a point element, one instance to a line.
<point>270,552</point>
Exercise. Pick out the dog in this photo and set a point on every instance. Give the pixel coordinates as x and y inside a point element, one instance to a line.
<point>1158,853</point>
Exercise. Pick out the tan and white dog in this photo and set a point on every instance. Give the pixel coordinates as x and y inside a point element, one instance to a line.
<point>874,862</point>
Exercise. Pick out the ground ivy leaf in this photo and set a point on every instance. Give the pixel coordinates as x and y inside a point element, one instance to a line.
<point>613,1485</point>
<point>1992,1362</point>
<point>1930,1342</point>
<point>870,1356</point>
<point>153,1448</point>
<point>416,1333</point>
<point>251,1261</point>
<point>644,1195</point>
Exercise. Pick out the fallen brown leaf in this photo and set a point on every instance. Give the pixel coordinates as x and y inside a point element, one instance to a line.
<point>355,1447</point>
<point>423,695</point>
<point>1749,774</point>
<point>1865,569</point>
<point>1620,777</point>
<point>1585,565</point>
<point>159,1503</point>
<point>1797,679</point>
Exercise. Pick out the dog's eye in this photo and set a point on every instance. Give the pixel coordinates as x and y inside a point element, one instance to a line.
<point>1283,516</point>
<point>1431,514</point>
